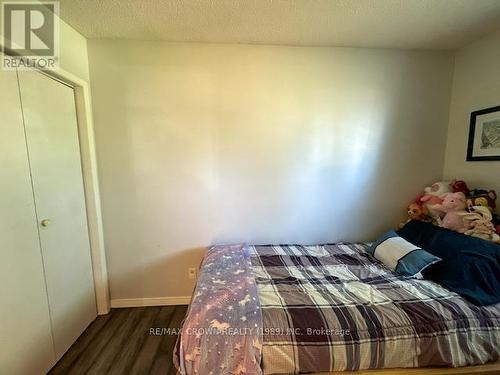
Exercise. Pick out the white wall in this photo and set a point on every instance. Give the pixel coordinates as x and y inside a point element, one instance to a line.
<point>201,144</point>
<point>476,85</point>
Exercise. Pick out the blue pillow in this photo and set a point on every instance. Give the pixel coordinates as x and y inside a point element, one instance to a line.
<point>401,256</point>
<point>470,265</point>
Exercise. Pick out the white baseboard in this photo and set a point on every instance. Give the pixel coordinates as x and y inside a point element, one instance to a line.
<point>152,301</point>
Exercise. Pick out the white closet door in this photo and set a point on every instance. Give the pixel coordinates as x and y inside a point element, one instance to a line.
<point>26,345</point>
<point>53,148</point>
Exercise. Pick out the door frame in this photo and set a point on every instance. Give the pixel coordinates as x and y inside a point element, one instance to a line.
<point>88,156</point>
<point>86,139</point>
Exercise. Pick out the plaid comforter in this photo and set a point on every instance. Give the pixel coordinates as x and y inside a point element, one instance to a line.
<point>334,308</point>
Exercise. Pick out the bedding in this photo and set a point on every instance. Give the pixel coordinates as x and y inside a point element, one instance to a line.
<point>470,266</point>
<point>221,333</point>
<point>362,314</point>
<point>401,256</point>
<point>332,308</point>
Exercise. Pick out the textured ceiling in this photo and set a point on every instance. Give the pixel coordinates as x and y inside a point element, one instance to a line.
<point>430,24</point>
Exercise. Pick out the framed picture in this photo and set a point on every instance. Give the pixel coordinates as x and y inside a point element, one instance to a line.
<point>484,135</point>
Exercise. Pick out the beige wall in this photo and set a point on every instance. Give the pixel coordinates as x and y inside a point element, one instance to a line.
<point>476,85</point>
<point>201,144</point>
<point>73,50</point>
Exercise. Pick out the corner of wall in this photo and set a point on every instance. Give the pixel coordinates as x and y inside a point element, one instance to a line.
<point>448,119</point>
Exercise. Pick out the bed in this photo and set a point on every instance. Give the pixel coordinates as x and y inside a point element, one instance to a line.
<point>309,309</point>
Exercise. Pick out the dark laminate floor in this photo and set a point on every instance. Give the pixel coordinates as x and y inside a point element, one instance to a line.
<point>121,343</point>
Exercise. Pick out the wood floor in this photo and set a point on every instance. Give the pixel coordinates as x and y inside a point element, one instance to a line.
<point>121,343</point>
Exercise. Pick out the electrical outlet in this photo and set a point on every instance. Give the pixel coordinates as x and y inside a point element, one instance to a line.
<point>192,273</point>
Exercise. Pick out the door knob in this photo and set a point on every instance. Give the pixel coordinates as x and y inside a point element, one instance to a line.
<point>45,223</point>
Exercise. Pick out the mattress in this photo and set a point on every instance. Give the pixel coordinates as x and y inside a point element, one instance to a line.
<point>297,309</point>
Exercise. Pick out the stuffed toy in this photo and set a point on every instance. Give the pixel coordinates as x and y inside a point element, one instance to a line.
<point>478,223</point>
<point>485,198</point>
<point>453,207</point>
<point>438,188</point>
<point>417,211</point>
<point>459,186</point>
<point>432,198</point>
<point>480,197</point>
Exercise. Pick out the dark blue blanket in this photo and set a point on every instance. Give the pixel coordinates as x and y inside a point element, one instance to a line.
<point>470,266</point>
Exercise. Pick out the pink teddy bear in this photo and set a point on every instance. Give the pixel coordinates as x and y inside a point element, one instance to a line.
<point>453,207</point>
<point>433,196</point>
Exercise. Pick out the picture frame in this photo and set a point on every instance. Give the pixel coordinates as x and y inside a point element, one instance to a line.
<point>484,135</point>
